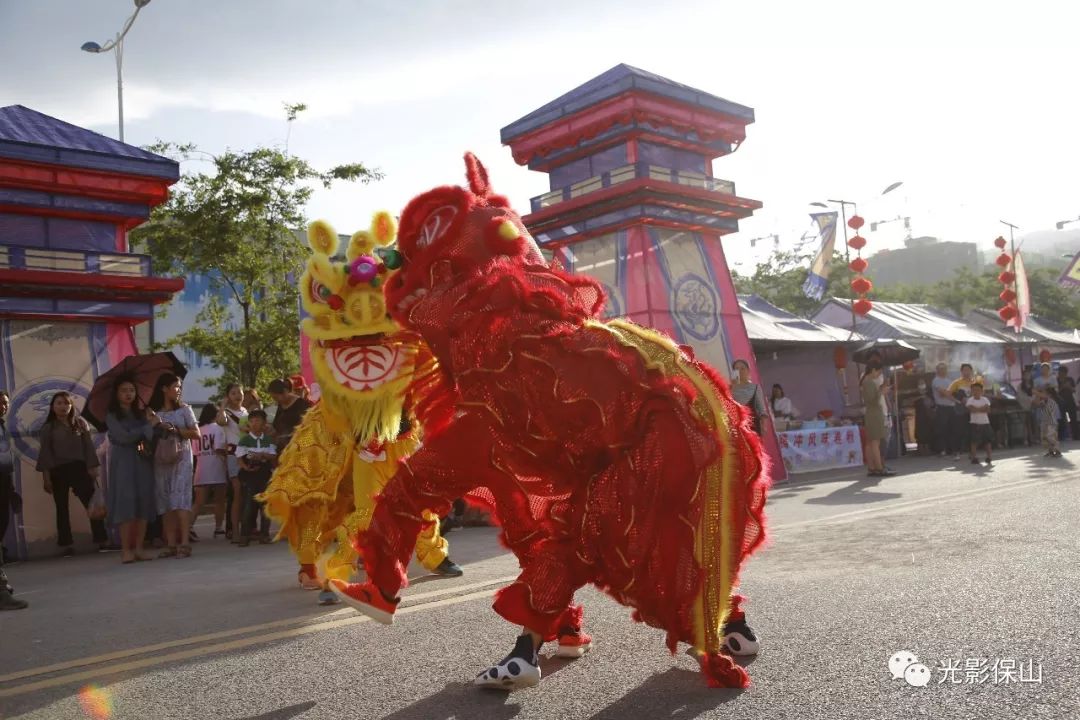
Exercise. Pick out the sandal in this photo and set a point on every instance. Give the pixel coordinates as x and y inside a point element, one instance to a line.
<point>167,552</point>
<point>143,558</point>
<point>183,551</point>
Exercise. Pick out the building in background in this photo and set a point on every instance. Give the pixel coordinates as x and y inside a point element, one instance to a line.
<point>634,203</point>
<point>924,261</point>
<point>70,292</point>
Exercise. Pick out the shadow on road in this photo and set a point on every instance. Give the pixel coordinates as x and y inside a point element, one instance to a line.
<point>459,700</point>
<point>856,493</point>
<point>676,693</point>
<point>285,713</point>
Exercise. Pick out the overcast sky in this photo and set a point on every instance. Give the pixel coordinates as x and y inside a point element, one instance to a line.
<point>972,104</point>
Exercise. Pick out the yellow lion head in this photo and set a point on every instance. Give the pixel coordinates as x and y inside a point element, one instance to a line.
<point>359,357</point>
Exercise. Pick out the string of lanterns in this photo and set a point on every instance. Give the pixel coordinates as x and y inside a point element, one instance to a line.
<point>1007,277</point>
<point>860,285</point>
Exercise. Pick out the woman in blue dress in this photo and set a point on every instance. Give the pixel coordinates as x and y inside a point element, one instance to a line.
<point>174,476</point>
<point>129,495</point>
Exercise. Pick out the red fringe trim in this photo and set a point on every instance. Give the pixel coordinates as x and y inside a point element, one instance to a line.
<point>721,672</point>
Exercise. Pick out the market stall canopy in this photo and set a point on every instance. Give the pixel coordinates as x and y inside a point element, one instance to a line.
<point>1036,330</point>
<point>769,326</point>
<point>915,323</point>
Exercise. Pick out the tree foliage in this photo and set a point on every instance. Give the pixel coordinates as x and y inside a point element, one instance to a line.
<point>237,225</point>
<point>779,280</point>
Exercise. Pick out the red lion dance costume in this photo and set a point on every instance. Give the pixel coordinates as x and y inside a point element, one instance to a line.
<point>608,454</point>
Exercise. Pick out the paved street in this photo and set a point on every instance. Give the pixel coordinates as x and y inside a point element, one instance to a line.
<point>948,561</point>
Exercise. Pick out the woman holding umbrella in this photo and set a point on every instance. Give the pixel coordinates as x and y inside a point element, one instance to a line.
<point>129,495</point>
<point>874,421</point>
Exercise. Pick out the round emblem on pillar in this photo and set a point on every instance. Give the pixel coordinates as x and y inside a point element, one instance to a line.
<point>696,307</point>
<point>30,407</point>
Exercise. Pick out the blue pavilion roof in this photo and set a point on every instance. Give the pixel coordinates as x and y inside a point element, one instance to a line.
<point>27,134</point>
<point>620,79</point>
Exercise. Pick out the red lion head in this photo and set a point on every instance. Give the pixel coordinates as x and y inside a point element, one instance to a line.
<point>453,233</point>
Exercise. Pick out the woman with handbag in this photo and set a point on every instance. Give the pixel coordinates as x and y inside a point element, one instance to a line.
<point>173,463</point>
<point>68,462</point>
<point>750,394</point>
<point>130,494</point>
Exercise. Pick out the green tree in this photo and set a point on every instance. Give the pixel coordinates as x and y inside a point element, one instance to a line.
<point>237,226</point>
<point>780,281</point>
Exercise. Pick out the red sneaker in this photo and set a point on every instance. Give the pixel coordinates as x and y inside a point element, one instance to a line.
<point>366,598</point>
<point>574,645</point>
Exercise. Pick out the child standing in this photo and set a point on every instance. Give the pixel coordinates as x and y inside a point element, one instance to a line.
<point>211,474</point>
<point>257,456</point>
<point>1047,415</point>
<point>982,435</point>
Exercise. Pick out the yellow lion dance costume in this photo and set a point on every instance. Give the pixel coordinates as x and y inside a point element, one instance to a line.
<point>349,445</point>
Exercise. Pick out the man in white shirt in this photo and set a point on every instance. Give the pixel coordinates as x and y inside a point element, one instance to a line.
<point>945,439</point>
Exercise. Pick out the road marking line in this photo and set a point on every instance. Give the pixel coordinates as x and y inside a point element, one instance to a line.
<point>408,601</point>
<point>85,675</point>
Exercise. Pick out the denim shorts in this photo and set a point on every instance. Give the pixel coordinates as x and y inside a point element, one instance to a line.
<point>233,465</point>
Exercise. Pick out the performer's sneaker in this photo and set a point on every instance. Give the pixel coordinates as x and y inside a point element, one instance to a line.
<point>573,644</point>
<point>739,639</point>
<point>519,669</point>
<point>308,580</point>
<point>449,568</point>
<point>366,598</point>
<point>327,597</point>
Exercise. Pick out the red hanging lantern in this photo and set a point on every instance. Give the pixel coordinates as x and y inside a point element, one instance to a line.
<point>839,357</point>
<point>863,306</point>
<point>1044,356</point>
<point>1006,278</point>
<point>1007,295</point>
<point>1000,242</point>
<point>1003,260</point>
<point>858,242</point>
<point>861,285</point>
<point>855,223</point>
<point>1007,313</point>
<point>1010,356</point>
<point>858,265</point>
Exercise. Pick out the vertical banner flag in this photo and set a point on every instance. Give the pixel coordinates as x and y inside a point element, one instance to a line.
<point>1070,279</point>
<point>818,277</point>
<point>1023,294</point>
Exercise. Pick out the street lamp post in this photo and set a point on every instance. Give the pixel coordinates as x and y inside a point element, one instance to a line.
<point>117,45</point>
<point>1060,225</point>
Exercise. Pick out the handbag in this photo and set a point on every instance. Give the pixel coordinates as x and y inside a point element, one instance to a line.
<point>167,449</point>
<point>96,509</point>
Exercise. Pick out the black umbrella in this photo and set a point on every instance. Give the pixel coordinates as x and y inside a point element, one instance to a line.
<point>889,353</point>
<point>143,370</point>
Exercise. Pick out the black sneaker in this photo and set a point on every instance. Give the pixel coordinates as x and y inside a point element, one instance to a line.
<point>739,639</point>
<point>975,461</point>
<point>519,669</point>
<point>68,552</point>
<point>989,463</point>
<point>449,568</point>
